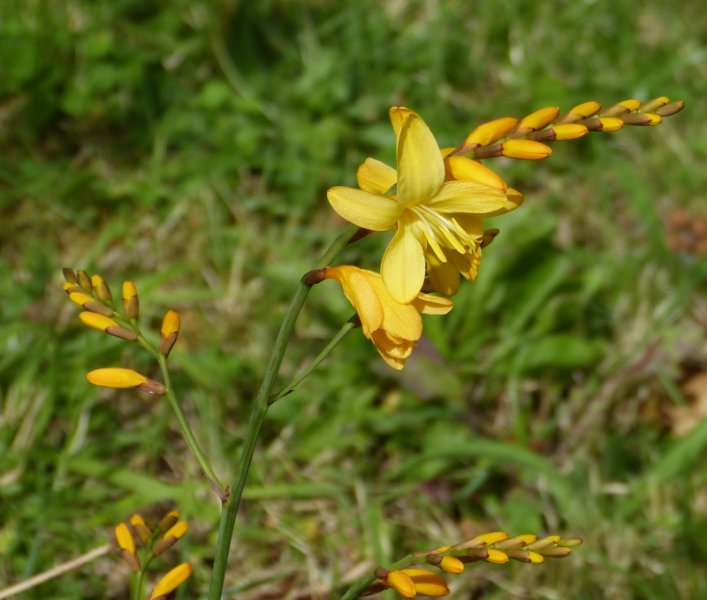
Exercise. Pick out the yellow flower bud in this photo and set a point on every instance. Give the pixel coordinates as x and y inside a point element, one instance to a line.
<point>140,527</point>
<point>496,557</point>
<point>168,520</point>
<point>427,583</point>
<point>451,564</point>
<point>642,119</point>
<point>107,325</point>
<point>171,581</point>
<point>518,541</point>
<point>586,109</point>
<point>84,280</point>
<point>487,133</point>
<point>485,539</point>
<point>171,537</point>
<point>401,583</point>
<point>69,275</point>
<point>101,289</point>
<point>115,377</point>
<point>525,149</point>
<point>131,303</point>
<point>654,104</point>
<point>610,124</point>
<point>539,119</point>
<point>670,109</point>
<point>569,131</point>
<point>90,303</point>
<point>126,543</point>
<point>169,332</point>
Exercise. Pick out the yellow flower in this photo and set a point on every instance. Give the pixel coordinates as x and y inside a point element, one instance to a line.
<point>428,212</point>
<point>171,581</point>
<point>392,326</point>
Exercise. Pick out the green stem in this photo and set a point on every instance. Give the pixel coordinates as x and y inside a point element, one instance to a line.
<point>258,413</point>
<point>186,429</point>
<point>333,343</point>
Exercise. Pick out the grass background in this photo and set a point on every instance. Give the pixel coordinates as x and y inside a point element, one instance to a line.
<point>188,145</point>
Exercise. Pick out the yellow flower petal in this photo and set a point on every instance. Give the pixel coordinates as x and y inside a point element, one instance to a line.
<point>376,177</point>
<point>403,264</point>
<point>444,276</point>
<point>370,211</point>
<point>115,377</point>
<point>420,164</point>
<point>427,304</point>
<point>465,169</point>
<point>171,581</point>
<point>361,295</point>
<point>468,197</point>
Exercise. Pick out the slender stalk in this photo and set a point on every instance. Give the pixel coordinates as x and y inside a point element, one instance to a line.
<point>186,429</point>
<point>333,343</point>
<point>258,413</point>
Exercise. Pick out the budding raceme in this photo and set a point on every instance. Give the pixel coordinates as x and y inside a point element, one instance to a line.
<point>169,332</point>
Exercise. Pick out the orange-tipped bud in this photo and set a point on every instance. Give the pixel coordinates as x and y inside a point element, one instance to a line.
<point>485,539</point>
<point>84,280</point>
<point>107,325</point>
<point>171,581</point>
<point>451,564</point>
<point>670,109</point>
<point>168,520</point>
<point>101,289</point>
<point>69,275</point>
<point>140,528</point>
<point>126,543</point>
<point>427,583</point>
<point>131,303</point>
<point>585,110</point>
<point>496,557</point>
<point>487,133</point>
<point>642,119</point>
<point>610,124</point>
<point>654,104</point>
<point>538,119</point>
<point>171,537</point>
<point>169,332</point>
<point>90,303</point>
<point>115,377</point>
<point>568,131</point>
<point>525,149</point>
<point>401,583</point>
<point>621,108</point>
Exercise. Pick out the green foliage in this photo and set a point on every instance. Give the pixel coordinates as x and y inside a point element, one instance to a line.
<point>188,146</point>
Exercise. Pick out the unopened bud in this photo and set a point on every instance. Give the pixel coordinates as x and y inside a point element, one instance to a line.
<point>69,275</point>
<point>653,104</point>
<point>90,303</point>
<point>670,109</point>
<point>538,119</point>
<point>131,303</point>
<point>488,133</point>
<point>169,332</point>
<point>642,119</point>
<point>525,149</point>
<point>101,289</point>
<point>84,280</point>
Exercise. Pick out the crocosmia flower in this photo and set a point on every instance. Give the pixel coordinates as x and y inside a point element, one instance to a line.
<point>432,213</point>
<point>392,326</point>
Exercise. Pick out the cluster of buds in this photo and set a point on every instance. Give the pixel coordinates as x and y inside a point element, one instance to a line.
<point>92,294</point>
<point>139,544</point>
<point>527,138</point>
<point>409,580</point>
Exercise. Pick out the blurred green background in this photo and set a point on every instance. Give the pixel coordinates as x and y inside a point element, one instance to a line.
<point>188,146</point>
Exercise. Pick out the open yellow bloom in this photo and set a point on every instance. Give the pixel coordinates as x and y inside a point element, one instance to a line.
<point>392,326</point>
<point>432,214</point>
